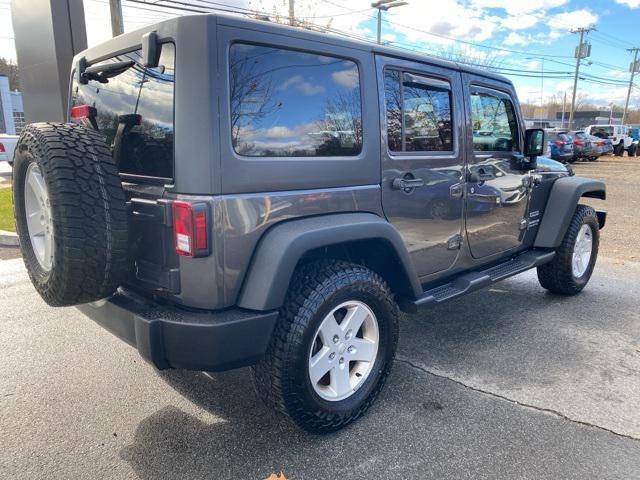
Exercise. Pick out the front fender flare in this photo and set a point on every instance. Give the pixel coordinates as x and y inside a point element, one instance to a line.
<point>282,246</point>
<point>561,205</point>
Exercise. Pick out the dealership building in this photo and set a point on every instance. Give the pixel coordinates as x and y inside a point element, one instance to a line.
<point>11,110</point>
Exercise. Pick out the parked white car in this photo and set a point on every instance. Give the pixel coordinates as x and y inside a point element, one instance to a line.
<point>7,146</point>
<point>619,136</point>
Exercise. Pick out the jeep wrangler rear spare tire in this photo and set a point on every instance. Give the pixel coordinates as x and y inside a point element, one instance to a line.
<point>70,213</point>
<point>332,348</point>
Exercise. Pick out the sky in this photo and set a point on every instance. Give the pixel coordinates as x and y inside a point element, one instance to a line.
<point>523,39</point>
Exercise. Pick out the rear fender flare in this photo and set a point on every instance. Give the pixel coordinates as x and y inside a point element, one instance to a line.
<point>561,205</point>
<point>283,245</point>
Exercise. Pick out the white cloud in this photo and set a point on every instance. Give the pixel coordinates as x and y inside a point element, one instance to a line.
<point>575,19</point>
<point>346,78</point>
<point>519,6</point>
<point>515,39</point>
<point>520,22</point>
<point>629,3</point>
<point>302,86</point>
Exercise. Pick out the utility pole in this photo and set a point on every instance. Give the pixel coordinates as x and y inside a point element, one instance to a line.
<point>583,50</point>
<point>292,12</point>
<point>117,24</point>
<point>634,68</point>
<point>564,103</point>
<point>384,5</point>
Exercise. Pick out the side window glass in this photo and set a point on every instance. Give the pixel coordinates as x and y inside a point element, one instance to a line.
<point>286,103</point>
<point>418,111</point>
<point>494,124</point>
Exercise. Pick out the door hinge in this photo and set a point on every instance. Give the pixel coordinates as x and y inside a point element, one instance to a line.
<point>455,242</point>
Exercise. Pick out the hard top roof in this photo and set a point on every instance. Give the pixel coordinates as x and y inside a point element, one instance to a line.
<point>121,42</point>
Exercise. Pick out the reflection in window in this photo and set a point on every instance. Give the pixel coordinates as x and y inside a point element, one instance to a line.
<point>139,104</point>
<point>286,103</point>
<point>494,123</point>
<point>418,113</point>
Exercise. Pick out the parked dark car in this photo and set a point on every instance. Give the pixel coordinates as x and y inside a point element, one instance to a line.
<point>583,149</point>
<point>603,146</point>
<point>560,147</point>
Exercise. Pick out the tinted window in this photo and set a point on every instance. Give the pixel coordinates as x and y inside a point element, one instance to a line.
<point>493,122</point>
<point>141,98</point>
<point>418,113</point>
<point>293,104</point>
<point>602,132</point>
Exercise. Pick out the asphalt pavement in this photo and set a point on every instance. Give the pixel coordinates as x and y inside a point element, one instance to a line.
<point>510,382</point>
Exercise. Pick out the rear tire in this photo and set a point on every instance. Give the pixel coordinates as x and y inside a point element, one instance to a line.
<point>82,209</point>
<point>283,378</point>
<point>618,150</point>
<point>567,274</point>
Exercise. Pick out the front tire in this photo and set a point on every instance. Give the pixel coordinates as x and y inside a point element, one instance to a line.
<point>338,316</point>
<point>570,270</point>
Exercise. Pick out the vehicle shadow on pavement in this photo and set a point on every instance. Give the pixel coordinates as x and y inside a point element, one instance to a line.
<point>422,426</point>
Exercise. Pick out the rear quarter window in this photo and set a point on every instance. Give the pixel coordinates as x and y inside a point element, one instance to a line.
<point>287,103</point>
<point>146,95</point>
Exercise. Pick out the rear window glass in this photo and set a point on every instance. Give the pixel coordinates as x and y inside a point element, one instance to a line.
<point>602,132</point>
<point>134,111</point>
<point>286,103</point>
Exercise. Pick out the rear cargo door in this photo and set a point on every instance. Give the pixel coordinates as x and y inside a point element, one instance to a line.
<point>134,110</point>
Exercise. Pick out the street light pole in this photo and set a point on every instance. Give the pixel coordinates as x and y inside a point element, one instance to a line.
<point>117,24</point>
<point>634,67</point>
<point>385,5</point>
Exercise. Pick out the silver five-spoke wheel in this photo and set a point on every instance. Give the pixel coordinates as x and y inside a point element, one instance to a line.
<point>39,222</point>
<point>582,251</point>
<point>344,350</point>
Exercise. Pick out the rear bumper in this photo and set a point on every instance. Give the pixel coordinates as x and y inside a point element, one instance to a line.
<point>169,337</point>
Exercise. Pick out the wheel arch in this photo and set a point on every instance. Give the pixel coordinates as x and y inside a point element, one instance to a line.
<point>561,204</point>
<point>363,238</point>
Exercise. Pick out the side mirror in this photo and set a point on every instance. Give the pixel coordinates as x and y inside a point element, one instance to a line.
<point>533,143</point>
<point>150,50</point>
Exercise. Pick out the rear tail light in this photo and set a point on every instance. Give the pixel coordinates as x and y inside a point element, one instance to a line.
<point>558,142</point>
<point>191,223</point>
<point>83,111</point>
<point>2,150</point>
<point>578,142</point>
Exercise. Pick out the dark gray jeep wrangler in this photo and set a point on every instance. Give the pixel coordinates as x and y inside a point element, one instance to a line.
<point>230,192</point>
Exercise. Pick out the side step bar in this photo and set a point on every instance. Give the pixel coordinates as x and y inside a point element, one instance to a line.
<point>473,281</point>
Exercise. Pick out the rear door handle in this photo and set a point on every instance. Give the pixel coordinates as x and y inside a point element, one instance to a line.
<point>401,183</point>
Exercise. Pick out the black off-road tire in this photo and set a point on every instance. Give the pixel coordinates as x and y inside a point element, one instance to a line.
<point>88,213</point>
<point>633,150</point>
<point>557,276</point>
<point>282,378</point>
<point>618,150</point>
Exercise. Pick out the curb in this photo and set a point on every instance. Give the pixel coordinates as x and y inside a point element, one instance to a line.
<point>8,239</point>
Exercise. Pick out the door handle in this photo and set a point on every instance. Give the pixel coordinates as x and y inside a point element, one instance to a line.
<point>402,183</point>
<point>480,176</point>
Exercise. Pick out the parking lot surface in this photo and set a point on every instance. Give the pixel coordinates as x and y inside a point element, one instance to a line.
<point>510,382</point>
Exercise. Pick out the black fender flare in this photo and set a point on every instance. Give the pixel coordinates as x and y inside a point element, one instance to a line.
<point>284,244</point>
<point>561,205</point>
